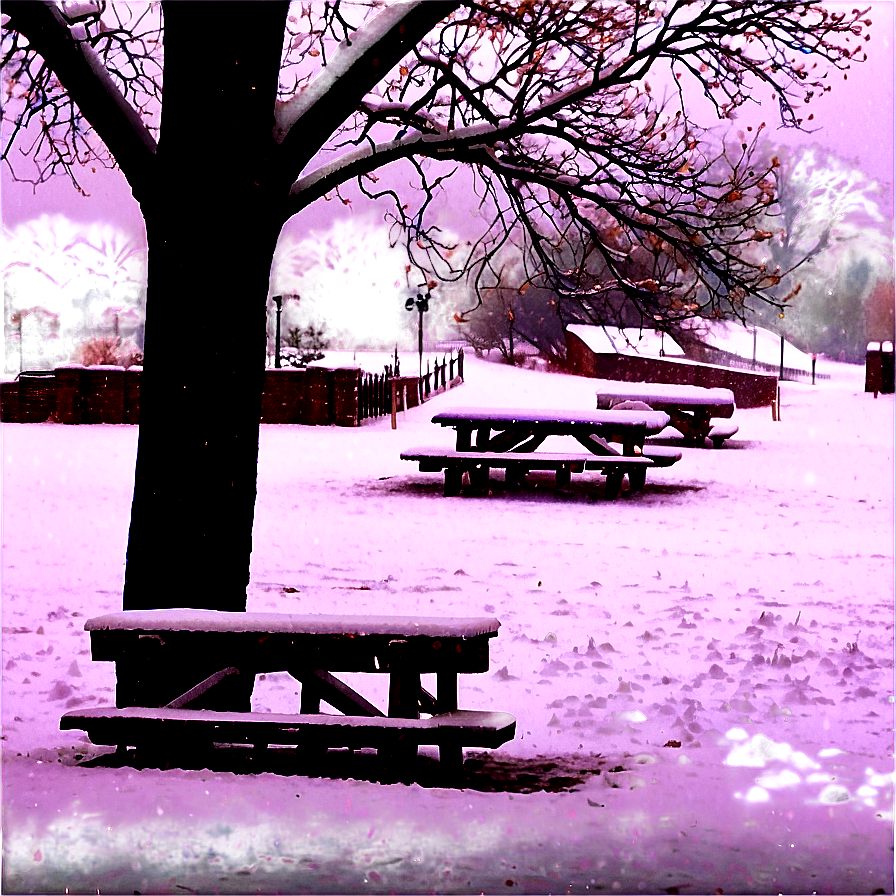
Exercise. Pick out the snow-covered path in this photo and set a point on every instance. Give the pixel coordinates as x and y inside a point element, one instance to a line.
<point>702,674</point>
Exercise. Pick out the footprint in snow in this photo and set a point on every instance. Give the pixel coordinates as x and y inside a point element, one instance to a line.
<point>834,793</point>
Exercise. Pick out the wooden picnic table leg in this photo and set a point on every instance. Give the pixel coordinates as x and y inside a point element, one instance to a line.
<point>454,476</point>
<point>464,438</point>
<point>693,426</point>
<point>404,703</point>
<point>632,443</point>
<point>613,485</point>
<point>563,476</point>
<point>451,755</point>
<point>309,702</point>
<point>311,696</point>
<point>682,422</point>
<point>479,477</point>
<point>702,425</point>
<point>637,479</point>
<point>514,476</point>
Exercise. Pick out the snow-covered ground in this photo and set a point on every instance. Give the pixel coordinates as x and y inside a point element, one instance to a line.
<point>702,673</point>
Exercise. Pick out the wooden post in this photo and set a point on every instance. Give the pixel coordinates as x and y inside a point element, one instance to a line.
<point>394,386</point>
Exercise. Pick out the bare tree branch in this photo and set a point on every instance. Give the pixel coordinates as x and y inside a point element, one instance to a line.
<point>364,58</point>
<point>78,69</point>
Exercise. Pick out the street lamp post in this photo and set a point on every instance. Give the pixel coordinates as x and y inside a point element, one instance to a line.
<point>278,302</point>
<point>421,303</point>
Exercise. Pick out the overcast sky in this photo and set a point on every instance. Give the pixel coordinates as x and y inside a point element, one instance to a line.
<point>856,120</point>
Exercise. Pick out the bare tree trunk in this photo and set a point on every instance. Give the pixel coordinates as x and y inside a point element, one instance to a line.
<point>194,492</point>
<point>212,224</point>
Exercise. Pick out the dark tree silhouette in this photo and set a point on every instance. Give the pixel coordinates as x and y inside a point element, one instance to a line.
<point>269,107</point>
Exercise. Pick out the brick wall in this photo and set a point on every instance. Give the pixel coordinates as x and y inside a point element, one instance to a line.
<point>315,396</point>
<point>284,395</point>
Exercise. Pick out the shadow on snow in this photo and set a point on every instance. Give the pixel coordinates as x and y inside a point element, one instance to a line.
<point>482,771</point>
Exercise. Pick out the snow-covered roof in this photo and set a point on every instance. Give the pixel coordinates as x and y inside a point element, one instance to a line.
<point>734,337</point>
<point>625,340</point>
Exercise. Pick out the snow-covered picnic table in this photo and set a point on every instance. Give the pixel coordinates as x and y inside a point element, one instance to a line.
<point>157,652</point>
<point>509,438</point>
<point>691,409</point>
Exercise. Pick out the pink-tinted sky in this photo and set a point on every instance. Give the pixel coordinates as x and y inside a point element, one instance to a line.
<point>855,120</point>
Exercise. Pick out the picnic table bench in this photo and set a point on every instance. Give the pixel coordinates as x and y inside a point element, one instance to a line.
<point>691,409</point>
<point>434,459</point>
<point>156,651</point>
<point>508,439</point>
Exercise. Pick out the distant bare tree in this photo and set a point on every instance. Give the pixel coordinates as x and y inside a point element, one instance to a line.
<point>824,201</point>
<point>268,107</point>
<point>513,311</point>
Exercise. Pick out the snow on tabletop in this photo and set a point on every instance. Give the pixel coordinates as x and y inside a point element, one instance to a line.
<point>701,673</point>
<point>664,392</point>
<point>653,420</point>
<point>186,620</point>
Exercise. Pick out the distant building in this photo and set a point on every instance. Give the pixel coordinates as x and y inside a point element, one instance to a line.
<point>643,356</point>
<point>623,341</point>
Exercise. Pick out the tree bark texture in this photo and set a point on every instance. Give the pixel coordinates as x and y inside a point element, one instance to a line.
<point>212,226</point>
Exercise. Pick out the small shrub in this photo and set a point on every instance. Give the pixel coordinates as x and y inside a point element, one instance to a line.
<point>304,345</point>
<point>108,350</point>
